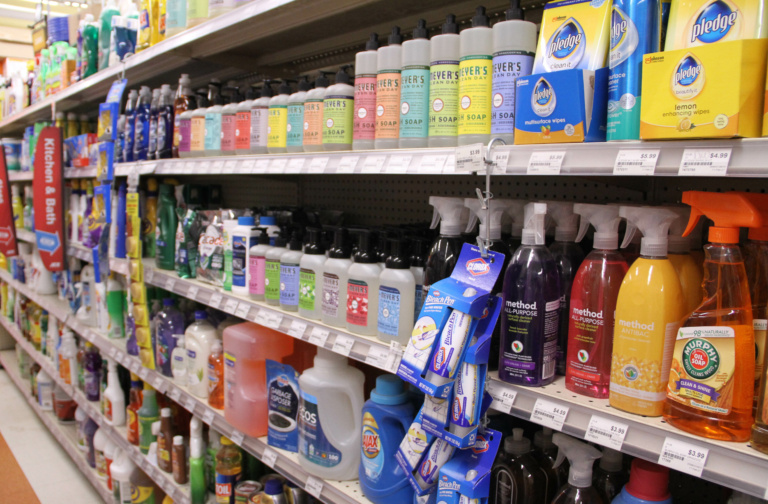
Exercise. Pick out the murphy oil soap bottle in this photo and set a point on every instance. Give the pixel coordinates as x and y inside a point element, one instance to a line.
<point>649,310</point>
<point>708,394</point>
<point>475,80</point>
<point>531,304</point>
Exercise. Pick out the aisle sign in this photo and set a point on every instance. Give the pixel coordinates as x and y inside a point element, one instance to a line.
<point>48,187</point>
<point>7,228</point>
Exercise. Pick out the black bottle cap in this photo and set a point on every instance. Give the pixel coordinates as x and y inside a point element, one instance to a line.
<point>266,89</point>
<point>342,77</point>
<point>285,87</point>
<point>417,252</point>
<point>202,99</point>
<point>421,30</point>
<point>382,245</point>
<point>397,256</point>
<point>514,11</point>
<point>480,19</point>
<point>322,80</point>
<point>373,42</point>
<point>315,245</point>
<point>450,25</point>
<point>250,93</point>
<point>296,241</point>
<point>280,240</point>
<point>263,236</point>
<point>340,247</point>
<point>365,253</point>
<point>395,37</point>
<point>304,84</point>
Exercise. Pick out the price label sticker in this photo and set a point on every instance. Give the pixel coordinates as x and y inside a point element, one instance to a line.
<point>398,164</point>
<point>377,356</point>
<point>262,317</point>
<point>606,432</point>
<point>432,164</point>
<point>470,158</point>
<point>549,414</point>
<point>343,344</point>
<point>373,164</point>
<point>215,300</point>
<point>545,163</point>
<point>314,487</point>
<point>348,164</point>
<point>269,457</point>
<point>143,373</point>
<point>297,328</point>
<point>230,306</point>
<point>242,309</point>
<point>295,165</point>
<point>217,166</point>
<point>262,166</point>
<point>317,165</point>
<point>278,165</point>
<point>119,357</point>
<point>503,397</point>
<point>192,292</point>
<point>245,166</point>
<point>208,416</point>
<point>174,394</point>
<point>190,404</point>
<point>683,456</point>
<point>88,335</point>
<point>237,437</point>
<point>636,162</point>
<point>319,336</point>
<point>111,352</point>
<point>396,348</point>
<point>500,161</point>
<point>159,384</point>
<point>392,363</point>
<point>229,166</point>
<point>169,284</point>
<point>274,320</point>
<point>711,162</point>
<point>98,419</point>
<point>135,366</point>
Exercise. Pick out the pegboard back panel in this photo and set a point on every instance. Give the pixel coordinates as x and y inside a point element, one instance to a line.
<point>246,191</point>
<point>670,189</point>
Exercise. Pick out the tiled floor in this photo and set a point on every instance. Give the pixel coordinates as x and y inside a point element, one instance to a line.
<point>47,467</point>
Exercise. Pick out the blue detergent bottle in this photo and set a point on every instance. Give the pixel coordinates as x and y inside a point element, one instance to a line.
<point>387,415</point>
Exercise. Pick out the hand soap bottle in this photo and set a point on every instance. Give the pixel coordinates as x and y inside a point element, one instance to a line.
<point>311,276</point>
<point>362,288</point>
<point>388,67</point>
<point>582,456</point>
<point>396,296</point>
<point>516,476</point>
<point>364,132</point>
<point>414,90</point>
<point>444,85</point>
<point>334,281</point>
<point>475,77</point>
<point>312,138</point>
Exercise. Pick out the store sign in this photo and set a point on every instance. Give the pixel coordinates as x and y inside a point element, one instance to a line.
<point>48,188</point>
<point>7,228</point>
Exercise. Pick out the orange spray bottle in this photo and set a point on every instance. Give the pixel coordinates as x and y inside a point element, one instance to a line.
<point>708,394</point>
<point>756,264</point>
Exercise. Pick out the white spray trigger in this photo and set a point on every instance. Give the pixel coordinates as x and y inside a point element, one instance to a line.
<point>435,219</point>
<point>629,234</point>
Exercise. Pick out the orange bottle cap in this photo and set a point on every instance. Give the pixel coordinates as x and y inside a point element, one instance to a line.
<point>729,212</point>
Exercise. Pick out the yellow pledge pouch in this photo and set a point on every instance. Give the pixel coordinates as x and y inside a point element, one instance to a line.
<point>695,23</point>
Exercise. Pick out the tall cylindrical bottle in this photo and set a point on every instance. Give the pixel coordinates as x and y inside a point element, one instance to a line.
<point>338,110</point>
<point>294,141</point>
<point>364,131</point>
<point>414,92</point>
<point>335,275</point>
<point>444,86</point>
<point>181,103</point>
<point>475,80</point>
<point>312,139</point>
<point>362,288</point>
<point>388,67</point>
<point>260,119</point>
<point>277,123</point>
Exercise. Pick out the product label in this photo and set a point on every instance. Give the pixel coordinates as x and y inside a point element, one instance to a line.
<point>295,127</point>
<point>284,403</point>
<point>475,87</point>
<point>589,349</point>
<point>153,134</point>
<point>272,279</point>
<point>225,486</point>
<point>92,383</point>
<point>444,98</point>
<point>256,272</point>
<point>212,131</point>
<point>259,126</point>
<point>388,104</point>
<point>330,295</point>
<point>163,353</point>
<point>313,445</point>
<point>389,311</point>
<point>507,67</point>
<point>228,132</point>
<point>703,367</point>
<point>307,289</point>
<point>313,122</point>
<point>185,135</point>
<point>65,371</point>
<point>414,102</point>
<point>289,284</point>
<point>240,247</point>
<point>230,380</point>
<point>132,423</point>
<point>337,119</point>
<point>529,332</point>
<point>760,327</point>
<point>243,130</point>
<point>357,302</point>
<point>506,490</point>
<point>197,134</point>
<point>213,378</point>
<point>195,369</point>
<point>143,494</point>
<point>373,456</point>
<point>277,126</point>
<point>365,106</point>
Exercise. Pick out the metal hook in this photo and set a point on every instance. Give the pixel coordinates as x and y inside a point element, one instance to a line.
<point>484,242</point>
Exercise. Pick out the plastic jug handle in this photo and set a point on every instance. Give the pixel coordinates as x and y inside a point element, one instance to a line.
<point>330,431</point>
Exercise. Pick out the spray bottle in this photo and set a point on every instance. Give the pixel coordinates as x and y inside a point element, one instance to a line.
<point>680,255</point>
<point>475,76</point>
<point>490,230</point>
<point>444,85</point>
<point>388,67</point>
<point>514,219</point>
<point>338,107</point>
<point>364,131</point>
<point>593,303</point>
<point>644,332</point>
<point>582,456</point>
<point>313,115</point>
<point>531,296</point>
<point>295,127</point>
<point>451,214</point>
<point>414,93</point>
<point>277,124</point>
<point>756,265</point>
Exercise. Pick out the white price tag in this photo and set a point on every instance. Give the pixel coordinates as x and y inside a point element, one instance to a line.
<point>217,166</point>
<point>189,166</point>
<point>143,373</point>
<point>111,352</point>
<point>135,366</point>
<point>237,437</point>
<point>169,284</point>
<point>133,177</point>
<point>242,309</point>
<point>244,166</point>
<point>269,457</point>
<point>98,419</point>
<point>262,166</point>
<point>208,416</point>
<point>215,300</point>
<point>396,348</point>
<point>392,362</point>
<point>606,432</point>
<point>119,357</point>
<point>192,292</point>
<point>229,166</point>
<point>190,404</point>
<point>343,344</point>
<point>700,162</point>
<point>683,456</point>
<point>432,164</point>
<point>297,328</point>
<point>230,306</point>
<point>503,398</point>
<point>88,335</point>
<point>314,486</point>
<point>319,336</point>
<point>278,165</point>
<point>159,384</point>
<point>377,356</point>
<point>636,162</point>
<point>318,165</point>
<point>262,317</point>
<point>398,164</point>
<point>347,164</point>
<point>549,414</point>
<point>373,164</point>
<point>500,160</point>
<point>174,394</point>
<point>470,158</point>
<point>274,320</point>
<point>295,165</point>
<point>545,163</point>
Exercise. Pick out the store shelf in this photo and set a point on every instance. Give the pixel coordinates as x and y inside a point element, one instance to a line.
<point>64,434</point>
<point>25,235</point>
<point>734,465</point>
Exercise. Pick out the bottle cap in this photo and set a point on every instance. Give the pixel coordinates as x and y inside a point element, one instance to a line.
<point>373,42</point>
<point>397,254</point>
<point>364,254</point>
<point>280,240</point>
<point>340,247</point>
<point>492,229</point>
<point>314,245</point>
<point>516,444</point>
<point>389,390</point>
<point>216,347</point>
<point>263,236</point>
<point>648,481</point>
<point>653,223</point>
<point>533,228</point>
<point>285,87</point>
<point>248,220</point>
<point>266,89</point>
<point>322,79</point>
<point>581,457</point>
<point>165,412</point>
<point>201,315</point>
<point>543,439</point>
<point>225,441</point>
<point>178,440</point>
<point>480,19</point>
<point>514,11</point>
<point>450,25</point>
<point>273,487</point>
<point>382,245</point>
<point>167,301</point>
<point>417,252</point>
<point>296,242</point>
<point>612,460</point>
<point>420,32</point>
<point>566,222</point>
<point>605,219</point>
<point>267,220</point>
<point>395,38</point>
<point>342,77</point>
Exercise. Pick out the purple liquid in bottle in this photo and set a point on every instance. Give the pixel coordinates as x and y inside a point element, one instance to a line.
<point>170,325</point>
<point>92,375</point>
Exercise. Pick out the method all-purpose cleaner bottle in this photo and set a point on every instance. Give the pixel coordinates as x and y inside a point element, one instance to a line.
<point>708,393</point>
<point>388,67</point>
<point>387,415</point>
<point>414,92</point>
<point>475,76</point>
<point>581,456</point>
<point>531,304</point>
<point>444,85</point>
<point>445,250</point>
<point>331,417</point>
<point>649,310</point>
<point>593,303</point>
<point>364,132</point>
<point>648,483</point>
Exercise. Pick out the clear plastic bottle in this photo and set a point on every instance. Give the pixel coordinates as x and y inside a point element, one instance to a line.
<point>311,276</point>
<point>389,65</point>
<point>364,131</point>
<point>610,477</point>
<point>175,17</point>
<point>216,376</point>
<point>338,110</point>
<point>414,91</point>
<point>290,274</point>
<point>475,80</point>
<point>335,276</point>
<point>362,288</point>
<point>197,12</point>
<point>260,119</point>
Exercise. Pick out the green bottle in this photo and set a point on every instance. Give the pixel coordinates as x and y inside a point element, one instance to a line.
<point>148,414</point>
<point>105,32</point>
<point>197,486</point>
<point>165,230</point>
<point>214,444</point>
<point>90,57</point>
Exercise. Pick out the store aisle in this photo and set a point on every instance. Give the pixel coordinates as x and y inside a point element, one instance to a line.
<point>33,466</point>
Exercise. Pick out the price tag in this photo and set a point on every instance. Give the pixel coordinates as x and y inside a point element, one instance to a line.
<point>699,162</point>
<point>396,348</point>
<point>229,166</point>
<point>237,437</point>
<point>111,352</point>
<point>189,167</point>
<point>297,328</point>
<point>469,158</point>
<point>208,416</point>
<point>432,164</point>
<point>217,166</point>
<point>392,362</point>
<point>317,165</point>
<point>135,366</point>
<point>98,419</point>
<point>347,164</point>
<point>88,335</point>
<point>242,309</point>
<point>278,165</point>
<point>190,404</point>
<point>158,384</point>
<point>606,432</point>
<point>545,163</point>
<point>245,166</point>
<point>262,166</point>
<point>262,317</point>
<point>503,398</point>
<point>169,284</point>
<point>636,162</point>
<point>174,394</point>
<point>215,300</point>
<point>133,177</point>
<point>149,274</point>
<point>683,456</point>
<point>230,306</point>
<point>192,292</point>
<point>319,336</point>
<point>377,356</point>
<point>398,164</point>
<point>500,160</point>
<point>314,486</point>
<point>269,457</point>
<point>343,344</point>
<point>143,373</point>
<point>295,165</point>
<point>373,164</point>
<point>119,357</point>
<point>274,320</point>
<point>549,414</point>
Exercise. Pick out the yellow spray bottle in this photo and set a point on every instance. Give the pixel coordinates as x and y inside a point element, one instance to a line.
<point>649,309</point>
<point>687,268</point>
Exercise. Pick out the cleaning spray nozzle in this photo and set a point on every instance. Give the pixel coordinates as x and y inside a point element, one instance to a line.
<point>679,244</point>
<point>514,210</point>
<point>729,212</point>
<point>581,457</point>
<point>492,230</point>
<point>450,213</point>
<point>566,222</point>
<point>605,219</point>
<point>653,223</point>
<point>535,219</point>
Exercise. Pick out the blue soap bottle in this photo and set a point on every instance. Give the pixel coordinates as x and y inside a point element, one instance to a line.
<point>387,415</point>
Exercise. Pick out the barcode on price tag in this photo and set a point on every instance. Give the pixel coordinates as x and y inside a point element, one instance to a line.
<point>274,320</point>
<point>192,292</point>
<point>319,336</point>
<point>343,344</point>
<point>237,437</point>
<point>229,166</point>
<point>230,306</point>
<point>297,328</point>
<point>119,357</point>
<point>713,162</point>
<point>208,416</point>
<point>242,309</point>
<point>169,284</point>
<point>143,373</point>
<point>373,164</point>
<point>112,351</point>
<point>318,165</point>
<point>262,317</point>
<point>347,164</point>
<point>217,166</point>
<point>545,163</point>
<point>269,457</point>
<point>314,486</point>
<point>636,162</point>
<point>469,158</point>
<point>392,362</point>
<point>215,300</point>
<point>503,398</point>
<point>135,366</point>
<point>149,274</point>
<point>278,165</point>
<point>262,165</point>
<point>549,414</point>
<point>683,456</point>
<point>606,432</point>
<point>159,384</point>
<point>377,356</point>
<point>500,161</point>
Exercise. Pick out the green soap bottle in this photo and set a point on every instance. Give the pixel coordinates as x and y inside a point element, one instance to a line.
<point>165,230</point>
<point>148,414</point>
<point>197,484</point>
